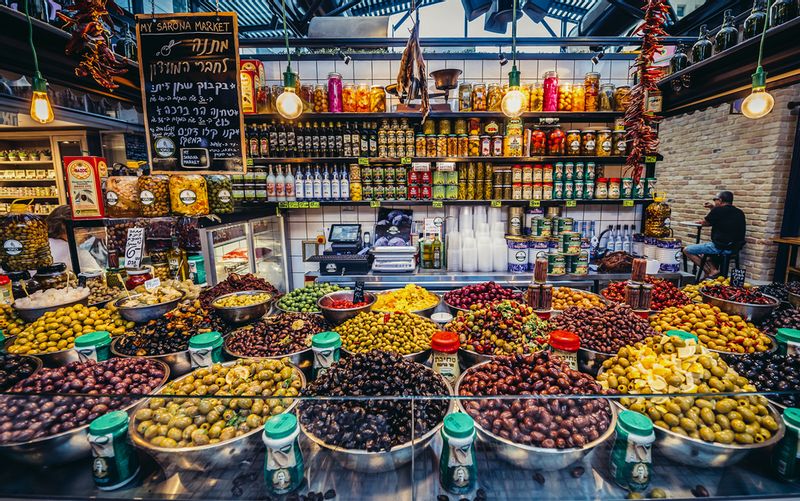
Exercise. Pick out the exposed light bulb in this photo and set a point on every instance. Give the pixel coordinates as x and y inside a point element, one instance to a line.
<point>512,103</point>
<point>289,104</point>
<point>41,110</point>
<point>758,104</point>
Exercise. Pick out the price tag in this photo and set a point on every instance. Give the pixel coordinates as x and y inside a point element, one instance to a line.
<point>283,205</point>
<point>572,203</point>
<point>446,166</point>
<point>438,204</point>
<point>496,203</point>
<point>313,205</point>
<point>405,160</point>
<point>737,277</point>
<point>358,292</point>
<point>294,205</point>
<point>534,203</point>
<point>302,205</point>
<point>152,283</point>
<point>650,159</point>
<point>421,166</point>
<point>363,161</point>
<point>627,203</point>
<point>375,204</point>
<point>249,162</point>
<point>133,249</point>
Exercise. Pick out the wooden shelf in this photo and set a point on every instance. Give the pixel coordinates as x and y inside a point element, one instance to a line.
<point>585,116</point>
<point>15,197</point>
<point>376,160</point>
<point>26,180</point>
<point>26,162</point>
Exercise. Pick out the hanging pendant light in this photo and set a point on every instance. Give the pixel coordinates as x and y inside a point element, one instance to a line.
<point>289,104</point>
<point>41,110</point>
<point>512,102</point>
<point>759,103</point>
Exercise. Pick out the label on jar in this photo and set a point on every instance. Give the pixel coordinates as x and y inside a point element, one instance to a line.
<point>146,197</point>
<point>570,357</point>
<point>112,198</point>
<point>446,364</point>
<point>575,146</point>
<point>201,357</point>
<point>590,145</point>
<point>85,354</point>
<point>188,197</point>
<point>606,145</point>
<point>12,247</point>
<point>224,195</point>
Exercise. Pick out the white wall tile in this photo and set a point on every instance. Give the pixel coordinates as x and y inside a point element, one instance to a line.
<point>323,68</point>
<point>313,216</point>
<point>546,65</point>
<point>362,71</point>
<point>492,71</point>
<point>433,65</point>
<point>307,70</point>
<point>566,70</point>
<point>473,70</point>
<point>297,280</point>
<point>297,227</point>
<point>346,70</point>
<point>349,215</point>
<point>619,70</point>
<point>273,70</point>
<point>296,247</point>
<point>459,63</point>
<point>381,72</point>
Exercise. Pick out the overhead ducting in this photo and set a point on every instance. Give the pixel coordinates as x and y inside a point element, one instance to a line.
<point>349,27</point>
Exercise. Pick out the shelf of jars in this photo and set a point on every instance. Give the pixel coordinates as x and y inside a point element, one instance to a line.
<point>586,116</point>
<point>441,203</point>
<point>409,160</point>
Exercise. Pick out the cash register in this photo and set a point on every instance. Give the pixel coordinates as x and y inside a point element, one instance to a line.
<point>348,254</point>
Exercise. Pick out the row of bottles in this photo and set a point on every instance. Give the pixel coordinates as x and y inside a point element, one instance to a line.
<point>307,183</point>
<point>613,239</point>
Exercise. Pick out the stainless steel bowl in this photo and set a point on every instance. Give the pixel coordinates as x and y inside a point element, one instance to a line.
<point>535,458</point>
<point>32,314</point>
<point>51,359</point>
<point>37,365</point>
<point>794,299</point>
<point>772,349</point>
<point>63,447</point>
<point>196,458</point>
<point>418,356</point>
<point>277,306</point>
<point>375,462</point>
<point>591,361</point>
<point>242,314</point>
<point>179,363</point>
<point>468,358</point>
<point>454,310</point>
<point>302,359</point>
<point>693,452</point>
<point>748,311</point>
<point>337,316</point>
<point>142,314</point>
<point>427,312</point>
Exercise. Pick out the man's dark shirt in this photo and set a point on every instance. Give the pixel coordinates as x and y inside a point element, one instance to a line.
<point>727,226</point>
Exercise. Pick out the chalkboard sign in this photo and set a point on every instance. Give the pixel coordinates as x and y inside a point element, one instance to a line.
<point>189,67</point>
<point>737,277</point>
<point>358,292</point>
<point>135,147</point>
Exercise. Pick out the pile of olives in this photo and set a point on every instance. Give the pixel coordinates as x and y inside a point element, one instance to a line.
<point>771,371</point>
<point>263,388</point>
<point>402,333</point>
<point>281,334</point>
<point>15,368</point>
<point>305,299</point>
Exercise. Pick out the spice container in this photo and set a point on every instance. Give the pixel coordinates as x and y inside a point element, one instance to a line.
<point>479,97</point>
<point>94,346</point>
<point>115,462</point>
<point>327,351</point>
<point>122,196</point>
<point>458,464</point>
<point>494,97</point>
<point>154,195</point>
<point>444,361</point>
<point>219,188</point>
<point>550,91</point>
<point>565,96</point>
<point>556,141</point>
<point>187,194</point>
<point>631,456</point>
<point>349,99</point>
<point>622,97</point>
<point>607,97</point>
<point>565,344</point>
<point>283,466</point>
<point>591,89</point>
<point>465,97</point>
<point>24,241</point>
<point>377,99</point>
<point>573,142</point>
<point>601,188</point>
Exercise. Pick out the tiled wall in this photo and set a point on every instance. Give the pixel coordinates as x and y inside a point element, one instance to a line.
<point>308,224</point>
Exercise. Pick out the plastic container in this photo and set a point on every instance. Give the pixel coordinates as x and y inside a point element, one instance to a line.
<point>24,239</point>
<point>197,269</point>
<point>458,465</point>
<point>630,462</point>
<point>444,355</point>
<point>122,196</point>
<point>154,195</point>
<point>283,466</point>
<point>788,341</point>
<point>220,198</point>
<point>785,457</point>
<point>205,349</point>
<point>565,344</point>
<point>326,347</point>
<point>187,194</point>
<point>115,461</point>
<point>93,346</point>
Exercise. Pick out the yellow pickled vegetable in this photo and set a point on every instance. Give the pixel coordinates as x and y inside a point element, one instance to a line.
<point>410,298</point>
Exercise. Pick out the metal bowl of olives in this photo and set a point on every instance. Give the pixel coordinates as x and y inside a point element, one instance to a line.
<point>196,458</point>
<point>748,311</point>
<point>246,312</point>
<point>794,299</point>
<point>375,462</point>
<point>773,347</point>
<point>32,314</point>
<point>454,309</point>
<point>35,364</point>
<point>51,358</point>
<point>336,316</point>
<point>427,312</point>
<point>468,358</point>
<point>529,456</point>
<point>179,362</point>
<point>145,313</point>
<point>418,356</point>
<point>591,361</point>
<point>66,446</point>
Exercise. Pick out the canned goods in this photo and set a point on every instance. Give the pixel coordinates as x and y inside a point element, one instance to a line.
<point>580,171</point>
<point>558,171</point>
<point>578,189</point>
<point>582,263</point>
<point>649,187</point>
<point>379,192</point>
<point>570,263</point>
<point>413,192</point>
<point>515,219</point>
<point>569,171</point>
<point>588,190</point>
<point>390,192</point>
<point>590,171</point>
<point>553,245</point>
<point>497,146</point>
<point>517,254</point>
<point>569,194</point>
<point>638,190</point>
<point>425,192</point>
<point>536,246</point>
<point>366,173</point>
<point>377,174</point>
<point>558,190</point>
<point>556,264</point>
<point>566,224</point>
<point>626,191</point>
<point>570,242</point>
<point>527,191</point>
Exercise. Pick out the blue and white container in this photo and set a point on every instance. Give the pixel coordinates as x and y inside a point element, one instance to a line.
<point>517,254</point>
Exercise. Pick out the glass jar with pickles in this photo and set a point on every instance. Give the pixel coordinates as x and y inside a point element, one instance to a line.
<point>445,126</point>
<point>619,146</point>
<point>479,97</point>
<point>605,143</point>
<point>591,90</point>
<point>362,98</point>
<point>537,97</point>
<point>154,195</point>
<point>494,97</point>
<point>550,91</point>
<point>460,126</point>
<point>588,142</point>
<point>465,97</point>
<point>578,98</point>
<point>607,97</point>
<point>573,143</point>
<point>538,142</point>
<point>556,141</point>
<point>565,96</point>
<point>463,145</point>
<point>452,145</point>
<point>441,146</point>
<point>377,99</point>
<point>349,103</point>
<point>622,97</point>
<point>334,93</point>
<point>320,99</point>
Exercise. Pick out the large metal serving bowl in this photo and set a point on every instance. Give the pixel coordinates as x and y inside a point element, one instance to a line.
<point>51,359</point>
<point>142,314</point>
<point>62,447</point>
<point>196,458</point>
<point>375,462</point>
<point>748,311</point>
<point>418,356</point>
<point>37,364</point>
<point>454,310</point>
<point>302,359</point>
<point>794,299</point>
<point>243,314</point>
<point>179,362</point>
<point>32,314</point>
<point>528,456</point>
<point>468,358</point>
<point>591,361</point>
<point>427,312</point>
<point>694,452</point>
<point>337,316</point>
<point>773,347</point>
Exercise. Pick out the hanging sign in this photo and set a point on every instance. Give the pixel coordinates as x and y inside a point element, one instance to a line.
<point>189,67</point>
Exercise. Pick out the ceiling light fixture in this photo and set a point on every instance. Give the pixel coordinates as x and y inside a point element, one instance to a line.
<point>289,104</point>
<point>514,99</point>
<point>759,103</point>
<point>41,110</point>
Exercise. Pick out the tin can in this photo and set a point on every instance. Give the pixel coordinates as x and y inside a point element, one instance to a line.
<point>566,224</point>
<point>366,173</point>
<point>536,245</point>
<point>569,171</point>
<point>517,254</point>
<point>115,461</point>
<point>649,187</point>
<point>570,262</point>
<point>377,174</point>
<point>555,264</point>
<point>588,190</point>
<point>388,175</point>
<point>638,190</point>
<point>367,191</point>
<point>558,190</point>
<point>438,192</point>
<point>529,221</point>
<point>486,146</point>
<point>546,227</point>
<point>582,263</point>
<point>425,192</point>
<point>580,171</point>
<point>413,192</point>
<point>569,194</point>
<point>578,189</point>
<point>626,190</point>
<point>558,172</point>
<point>570,242</point>
<point>515,221</point>
<point>591,170</point>
<point>379,192</point>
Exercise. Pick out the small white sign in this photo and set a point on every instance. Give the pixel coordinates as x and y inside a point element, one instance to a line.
<point>134,247</point>
<point>421,166</point>
<point>152,283</point>
<point>445,166</point>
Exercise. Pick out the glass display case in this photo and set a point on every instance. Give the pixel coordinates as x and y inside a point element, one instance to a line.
<point>270,260</point>
<point>226,250</point>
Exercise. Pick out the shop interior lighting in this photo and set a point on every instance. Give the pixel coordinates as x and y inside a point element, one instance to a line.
<point>41,110</point>
<point>288,104</point>
<point>759,103</point>
<point>344,57</point>
<point>597,57</point>
<point>512,102</point>
<point>502,58</point>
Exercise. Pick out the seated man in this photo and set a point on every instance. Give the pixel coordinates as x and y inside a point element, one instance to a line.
<point>727,232</point>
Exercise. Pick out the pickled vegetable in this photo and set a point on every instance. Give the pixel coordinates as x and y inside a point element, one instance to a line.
<point>220,199</point>
<point>24,242</point>
<point>122,196</point>
<point>154,195</point>
<point>187,194</point>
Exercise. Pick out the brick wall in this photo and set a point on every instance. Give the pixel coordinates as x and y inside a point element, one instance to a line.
<point>710,150</point>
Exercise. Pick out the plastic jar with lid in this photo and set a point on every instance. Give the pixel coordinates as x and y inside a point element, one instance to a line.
<point>591,90</point>
<point>614,187</point>
<point>479,97</point>
<point>550,91</point>
<point>445,126</point>
<point>605,143</point>
<point>537,97</point>
<point>565,344</point>
<point>154,195</point>
<point>588,142</point>
<point>601,188</point>
<point>631,456</point>
<point>607,97</point>
<point>565,96</point>
<point>573,142</point>
<point>137,277</point>
<point>493,97</point>
<point>122,196</point>
<point>465,97</point>
<point>377,99</point>
<point>556,141</point>
<point>547,173</point>
<point>444,355</point>
<point>349,103</point>
<point>622,97</point>
<point>54,276</point>
<point>320,100</point>
<point>188,195</point>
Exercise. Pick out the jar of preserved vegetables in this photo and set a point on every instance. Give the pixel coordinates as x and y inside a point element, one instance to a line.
<point>122,196</point>
<point>188,195</point>
<point>578,98</point>
<point>526,96</point>
<point>605,143</point>
<point>564,96</point>
<point>430,146</point>
<point>362,98</point>
<point>556,141</point>
<point>349,103</point>
<point>573,142</point>
<point>588,142</point>
<point>463,145</point>
<point>137,277</point>
<point>154,195</point>
<point>445,126</point>
<point>24,240</point>
<point>377,99</point>
<point>479,97</point>
<point>320,100</point>
<point>452,145</point>
<point>537,97</point>
<point>220,199</point>
<point>460,126</point>
<point>494,97</point>
<point>728,35</point>
<point>679,60</point>
<point>656,221</point>
<point>607,97</point>
<point>54,276</point>
<point>538,142</point>
<point>754,24</point>
<point>591,89</point>
<point>21,284</point>
<point>703,47</point>
<point>622,97</point>
<point>550,91</point>
<point>161,271</point>
<point>782,11</point>
<point>618,143</point>
<point>429,127</point>
<point>441,146</point>
<point>474,149</point>
<point>419,145</point>
<point>465,97</point>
